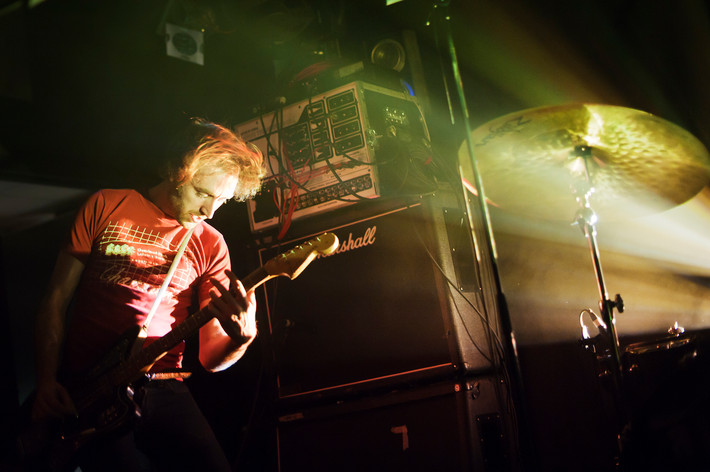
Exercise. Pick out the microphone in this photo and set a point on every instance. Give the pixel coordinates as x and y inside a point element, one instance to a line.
<point>596,321</point>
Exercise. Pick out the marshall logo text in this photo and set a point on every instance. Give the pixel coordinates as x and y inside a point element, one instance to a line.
<point>351,243</point>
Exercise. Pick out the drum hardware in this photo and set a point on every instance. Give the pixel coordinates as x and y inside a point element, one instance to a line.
<point>598,323</point>
<point>676,330</point>
<point>676,339</point>
<point>639,163</point>
<point>658,374</point>
<point>624,161</point>
<point>617,158</point>
<point>586,218</point>
<point>595,345</point>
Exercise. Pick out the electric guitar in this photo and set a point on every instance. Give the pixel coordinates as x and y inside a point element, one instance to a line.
<point>104,399</point>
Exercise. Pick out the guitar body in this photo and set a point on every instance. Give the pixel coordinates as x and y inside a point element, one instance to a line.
<point>53,445</point>
<point>102,410</point>
<point>102,418</point>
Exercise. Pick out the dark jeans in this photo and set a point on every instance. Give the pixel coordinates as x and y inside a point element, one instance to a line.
<point>171,434</point>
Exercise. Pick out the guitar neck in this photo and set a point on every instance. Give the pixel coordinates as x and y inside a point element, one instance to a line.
<point>256,278</point>
<point>133,367</point>
<point>289,264</point>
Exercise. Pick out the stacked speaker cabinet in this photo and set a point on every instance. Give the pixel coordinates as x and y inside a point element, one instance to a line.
<point>389,347</point>
<point>388,340</point>
<point>439,427</point>
<point>400,300</point>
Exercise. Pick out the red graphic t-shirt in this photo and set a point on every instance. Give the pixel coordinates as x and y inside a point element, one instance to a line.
<point>128,244</point>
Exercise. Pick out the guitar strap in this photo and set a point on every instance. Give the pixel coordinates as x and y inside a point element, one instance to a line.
<point>143,333</point>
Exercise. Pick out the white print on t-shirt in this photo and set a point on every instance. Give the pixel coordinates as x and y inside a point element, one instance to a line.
<point>119,250</point>
<point>139,258</point>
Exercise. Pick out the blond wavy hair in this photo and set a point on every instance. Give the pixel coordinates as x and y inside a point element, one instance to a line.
<point>219,148</point>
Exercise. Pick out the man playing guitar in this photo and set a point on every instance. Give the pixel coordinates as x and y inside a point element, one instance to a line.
<point>120,250</point>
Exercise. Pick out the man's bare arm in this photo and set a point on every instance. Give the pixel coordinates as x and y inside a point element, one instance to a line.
<point>52,399</point>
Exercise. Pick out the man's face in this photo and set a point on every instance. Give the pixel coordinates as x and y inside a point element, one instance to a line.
<point>197,199</point>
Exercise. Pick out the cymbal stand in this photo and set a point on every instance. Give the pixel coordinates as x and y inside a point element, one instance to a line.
<point>586,218</point>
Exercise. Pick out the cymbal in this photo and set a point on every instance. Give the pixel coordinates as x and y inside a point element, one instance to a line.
<point>637,163</point>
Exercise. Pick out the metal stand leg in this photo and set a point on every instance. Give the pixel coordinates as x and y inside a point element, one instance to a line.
<point>586,218</point>
<point>511,363</point>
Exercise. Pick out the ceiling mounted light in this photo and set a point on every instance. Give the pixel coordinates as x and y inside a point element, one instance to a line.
<point>185,44</point>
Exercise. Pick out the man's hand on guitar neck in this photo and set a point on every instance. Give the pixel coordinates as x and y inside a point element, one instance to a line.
<point>225,338</point>
<point>235,308</point>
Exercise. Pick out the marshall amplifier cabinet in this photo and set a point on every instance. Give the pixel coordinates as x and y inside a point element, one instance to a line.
<point>399,301</point>
<point>447,427</point>
<point>337,148</point>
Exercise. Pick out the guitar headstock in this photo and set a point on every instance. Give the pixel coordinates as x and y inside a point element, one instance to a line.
<point>293,262</point>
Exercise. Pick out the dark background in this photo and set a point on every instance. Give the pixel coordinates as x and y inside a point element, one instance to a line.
<point>90,95</point>
<point>90,99</point>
